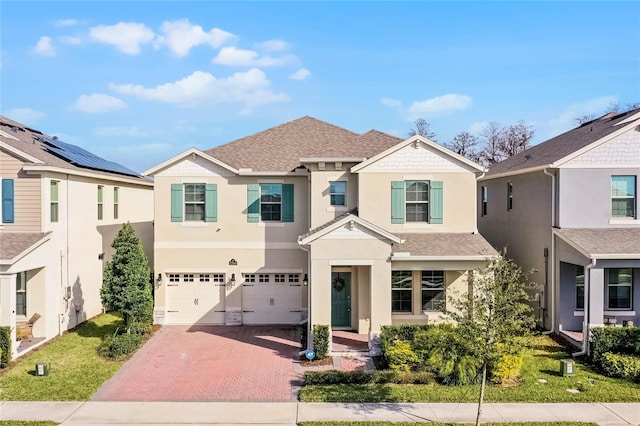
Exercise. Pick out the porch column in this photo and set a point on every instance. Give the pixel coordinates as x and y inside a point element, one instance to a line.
<point>596,297</point>
<point>8,305</point>
<point>380,297</point>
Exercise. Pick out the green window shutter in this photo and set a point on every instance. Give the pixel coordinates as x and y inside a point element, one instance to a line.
<point>435,202</point>
<point>176,202</point>
<point>397,202</point>
<point>211,203</point>
<point>7,201</point>
<point>253,203</point>
<point>287,202</point>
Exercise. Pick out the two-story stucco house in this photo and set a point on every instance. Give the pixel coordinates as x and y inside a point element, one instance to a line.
<point>310,222</point>
<point>568,209</point>
<point>61,209</point>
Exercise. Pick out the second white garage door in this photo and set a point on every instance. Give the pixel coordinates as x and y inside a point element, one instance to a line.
<point>267,302</point>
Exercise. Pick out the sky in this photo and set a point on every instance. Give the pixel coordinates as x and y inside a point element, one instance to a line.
<point>140,82</point>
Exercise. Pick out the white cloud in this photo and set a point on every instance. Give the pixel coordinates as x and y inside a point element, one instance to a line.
<point>301,74</point>
<point>24,115</point>
<point>233,56</point>
<point>65,23</point>
<point>249,88</point>
<point>97,103</point>
<point>477,127</point>
<point>180,36</point>
<point>273,46</point>
<point>566,120</point>
<point>70,39</point>
<point>390,102</point>
<point>44,47</point>
<point>440,105</point>
<point>126,36</point>
<point>121,131</point>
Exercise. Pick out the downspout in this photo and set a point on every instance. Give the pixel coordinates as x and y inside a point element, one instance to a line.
<point>585,325</point>
<point>552,291</point>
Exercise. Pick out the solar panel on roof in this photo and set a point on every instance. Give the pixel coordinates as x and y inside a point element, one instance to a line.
<point>83,158</point>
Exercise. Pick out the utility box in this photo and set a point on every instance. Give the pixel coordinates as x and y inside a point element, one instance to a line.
<point>566,367</point>
<point>42,368</point>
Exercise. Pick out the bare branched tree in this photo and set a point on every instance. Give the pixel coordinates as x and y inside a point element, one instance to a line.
<point>465,144</point>
<point>516,138</point>
<point>490,138</point>
<point>583,119</point>
<point>423,128</point>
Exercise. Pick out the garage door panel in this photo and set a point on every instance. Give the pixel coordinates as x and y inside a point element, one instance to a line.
<point>271,304</point>
<point>195,303</point>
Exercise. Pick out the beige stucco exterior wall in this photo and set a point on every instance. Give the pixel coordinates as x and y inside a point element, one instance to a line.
<point>27,195</point>
<point>321,209</point>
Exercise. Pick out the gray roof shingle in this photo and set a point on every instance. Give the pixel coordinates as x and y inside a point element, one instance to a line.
<point>562,145</point>
<point>604,241</point>
<point>280,148</point>
<point>14,243</point>
<point>445,244</point>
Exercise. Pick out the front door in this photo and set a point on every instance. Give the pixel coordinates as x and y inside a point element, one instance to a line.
<point>341,299</point>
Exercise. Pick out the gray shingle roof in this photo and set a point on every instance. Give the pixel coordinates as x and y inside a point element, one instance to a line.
<point>331,222</point>
<point>604,241</point>
<point>29,144</point>
<point>14,243</point>
<point>445,244</point>
<point>562,145</point>
<point>280,148</point>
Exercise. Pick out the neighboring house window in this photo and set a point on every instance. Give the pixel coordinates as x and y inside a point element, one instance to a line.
<point>205,278</point>
<point>417,201</point>
<point>100,191</point>
<point>509,196</point>
<point>579,287</point>
<point>433,290</point>
<point>194,202</point>
<point>483,196</point>
<point>619,288</point>
<point>174,278</point>
<point>623,196</point>
<point>249,278</point>
<point>337,191</point>
<point>54,200</point>
<point>270,202</point>
<point>115,202</point>
<point>21,293</point>
<point>294,278</point>
<point>7,201</point>
<point>401,291</point>
<point>194,197</point>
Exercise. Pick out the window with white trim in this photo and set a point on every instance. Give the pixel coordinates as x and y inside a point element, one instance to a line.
<point>433,290</point>
<point>218,278</point>
<point>249,278</point>
<point>194,198</point>
<point>417,200</point>
<point>278,278</point>
<point>401,292</point>
<point>204,278</point>
<point>484,193</point>
<point>188,278</point>
<point>116,191</point>
<point>174,278</point>
<point>294,278</point>
<point>100,206</point>
<point>263,278</point>
<point>579,288</point>
<point>619,288</point>
<point>337,193</point>
<point>623,197</point>
<point>21,293</point>
<point>270,202</point>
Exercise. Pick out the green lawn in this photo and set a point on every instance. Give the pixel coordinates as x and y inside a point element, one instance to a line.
<point>26,423</point>
<point>76,373</point>
<point>541,361</point>
<point>443,424</point>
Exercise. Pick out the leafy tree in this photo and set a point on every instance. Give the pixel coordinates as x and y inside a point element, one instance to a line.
<point>494,316</point>
<point>126,287</point>
<point>423,128</point>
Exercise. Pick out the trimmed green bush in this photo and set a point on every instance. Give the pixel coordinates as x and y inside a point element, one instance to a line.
<point>401,356</point>
<point>120,345</point>
<point>5,346</point>
<point>321,340</point>
<point>334,377</point>
<point>391,333</point>
<point>619,340</point>
<point>626,367</point>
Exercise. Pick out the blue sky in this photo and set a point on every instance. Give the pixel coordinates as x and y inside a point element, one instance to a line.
<point>138,82</point>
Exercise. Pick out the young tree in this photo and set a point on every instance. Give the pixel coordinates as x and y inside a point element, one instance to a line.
<point>465,144</point>
<point>494,315</point>
<point>423,128</point>
<point>126,287</point>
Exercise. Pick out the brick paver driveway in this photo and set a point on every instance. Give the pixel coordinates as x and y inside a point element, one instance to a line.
<point>209,363</point>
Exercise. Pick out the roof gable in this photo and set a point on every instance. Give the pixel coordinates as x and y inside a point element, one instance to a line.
<point>191,162</point>
<point>417,153</point>
<point>348,226</point>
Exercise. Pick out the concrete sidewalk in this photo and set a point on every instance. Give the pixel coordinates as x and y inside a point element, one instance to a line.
<point>289,413</point>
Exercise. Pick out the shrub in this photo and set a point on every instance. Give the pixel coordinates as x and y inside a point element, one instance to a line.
<point>334,377</point>
<point>5,346</point>
<point>507,367</point>
<point>623,366</point>
<point>391,333</point>
<point>401,356</point>
<point>119,345</point>
<point>620,340</point>
<point>426,341</point>
<point>321,340</point>
<point>403,377</point>
<point>140,328</point>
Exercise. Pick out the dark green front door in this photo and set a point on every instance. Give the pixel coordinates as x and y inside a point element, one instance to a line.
<point>341,299</point>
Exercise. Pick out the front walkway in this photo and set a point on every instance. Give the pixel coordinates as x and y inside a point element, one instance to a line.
<point>290,413</point>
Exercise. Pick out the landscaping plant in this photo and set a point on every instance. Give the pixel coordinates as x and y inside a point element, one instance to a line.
<point>321,340</point>
<point>5,346</point>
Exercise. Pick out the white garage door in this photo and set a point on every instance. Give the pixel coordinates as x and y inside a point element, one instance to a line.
<point>271,299</point>
<point>195,299</point>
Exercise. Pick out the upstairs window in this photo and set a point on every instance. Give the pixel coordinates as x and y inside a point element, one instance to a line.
<point>623,197</point>
<point>115,202</point>
<point>579,288</point>
<point>509,196</point>
<point>194,202</point>
<point>53,191</point>
<point>194,194</point>
<point>270,202</point>
<point>417,201</point>
<point>484,198</point>
<point>100,206</point>
<point>337,191</point>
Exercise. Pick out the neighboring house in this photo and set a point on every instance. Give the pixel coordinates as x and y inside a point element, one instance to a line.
<point>61,209</point>
<point>307,221</point>
<point>568,209</point>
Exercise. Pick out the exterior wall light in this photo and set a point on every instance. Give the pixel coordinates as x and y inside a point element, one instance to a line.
<point>233,280</point>
<point>305,280</point>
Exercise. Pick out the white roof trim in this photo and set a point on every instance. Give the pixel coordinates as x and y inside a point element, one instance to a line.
<point>26,251</point>
<point>397,257</point>
<point>516,172</point>
<point>427,142</point>
<point>95,175</point>
<point>348,218</point>
<point>594,256</point>
<point>19,153</point>
<point>190,151</point>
